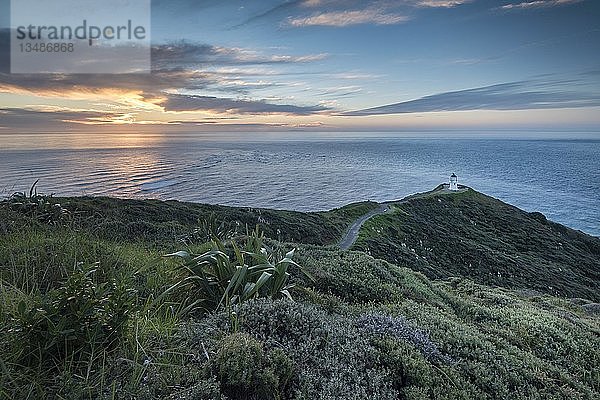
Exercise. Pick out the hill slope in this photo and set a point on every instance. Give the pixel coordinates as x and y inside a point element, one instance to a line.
<point>93,311</point>
<point>473,235</point>
<point>163,222</point>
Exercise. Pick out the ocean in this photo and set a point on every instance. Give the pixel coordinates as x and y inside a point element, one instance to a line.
<point>309,171</point>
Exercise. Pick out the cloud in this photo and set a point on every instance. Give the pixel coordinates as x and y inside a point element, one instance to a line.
<point>336,13</point>
<point>184,53</point>
<point>94,85</point>
<point>523,95</point>
<point>341,91</point>
<point>277,10</point>
<point>347,18</point>
<point>148,92</point>
<point>53,118</point>
<point>312,3</point>
<point>342,13</point>
<point>176,102</point>
<point>538,4</point>
<point>441,3</point>
<point>177,67</point>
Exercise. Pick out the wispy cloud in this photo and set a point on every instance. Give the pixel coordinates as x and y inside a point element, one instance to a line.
<point>441,3</point>
<point>524,95</point>
<point>53,119</point>
<point>538,4</point>
<point>341,91</point>
<point>347,18</point>
<point>277,10</point>
<point>184,53</point>
<point>342,13</point>
<point>336,13</point>
<point>177,102</point>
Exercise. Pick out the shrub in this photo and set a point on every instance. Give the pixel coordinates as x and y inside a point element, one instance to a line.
<point>228,275</point>
<point>401,329</point>
<point>246,370</point>
<point>37,206</point>
<point>211,228</point>
<point>333,359</point>
<point>358,278</point>
<point>80,317</point>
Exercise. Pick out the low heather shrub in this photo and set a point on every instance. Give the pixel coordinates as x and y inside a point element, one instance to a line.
<point>400,328</point>
<point>333,359</point>
<point>246,370</point>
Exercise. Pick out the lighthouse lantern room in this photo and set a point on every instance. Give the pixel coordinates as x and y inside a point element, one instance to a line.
<point>453,182</point>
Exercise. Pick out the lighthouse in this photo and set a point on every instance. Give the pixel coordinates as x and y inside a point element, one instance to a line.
<point>453,182</point>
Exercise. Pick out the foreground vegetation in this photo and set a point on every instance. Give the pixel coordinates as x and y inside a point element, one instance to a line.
<point>163,223</point>
<point>96,311</point>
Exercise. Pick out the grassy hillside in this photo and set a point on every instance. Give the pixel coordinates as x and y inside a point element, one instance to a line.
<point>476,236</point>
<point>162,223</point>
<point>92,312</point>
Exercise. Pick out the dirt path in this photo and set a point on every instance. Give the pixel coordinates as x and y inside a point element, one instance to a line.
<point>352,233</point>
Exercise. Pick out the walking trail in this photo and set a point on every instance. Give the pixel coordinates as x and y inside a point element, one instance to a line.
<point>352,233</point>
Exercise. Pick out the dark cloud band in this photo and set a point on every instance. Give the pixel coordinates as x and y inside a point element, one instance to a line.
<point>525,95</point>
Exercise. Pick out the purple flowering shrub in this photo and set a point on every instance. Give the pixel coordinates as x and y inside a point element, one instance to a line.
<point>400,328</point>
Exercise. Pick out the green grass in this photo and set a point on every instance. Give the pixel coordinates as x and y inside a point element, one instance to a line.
<point>85,311</point>
<point>476,236</point>
<point>163,224</point>
<point>160,222</point>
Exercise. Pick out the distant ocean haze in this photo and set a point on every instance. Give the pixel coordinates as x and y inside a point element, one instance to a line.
<point>308,172</point>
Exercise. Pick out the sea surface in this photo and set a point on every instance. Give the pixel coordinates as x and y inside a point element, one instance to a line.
<point>307,172</point>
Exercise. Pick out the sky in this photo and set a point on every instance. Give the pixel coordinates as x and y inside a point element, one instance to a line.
<point>332,65</point>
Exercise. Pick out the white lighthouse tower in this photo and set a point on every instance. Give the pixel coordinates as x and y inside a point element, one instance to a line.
<point>453,182</point>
